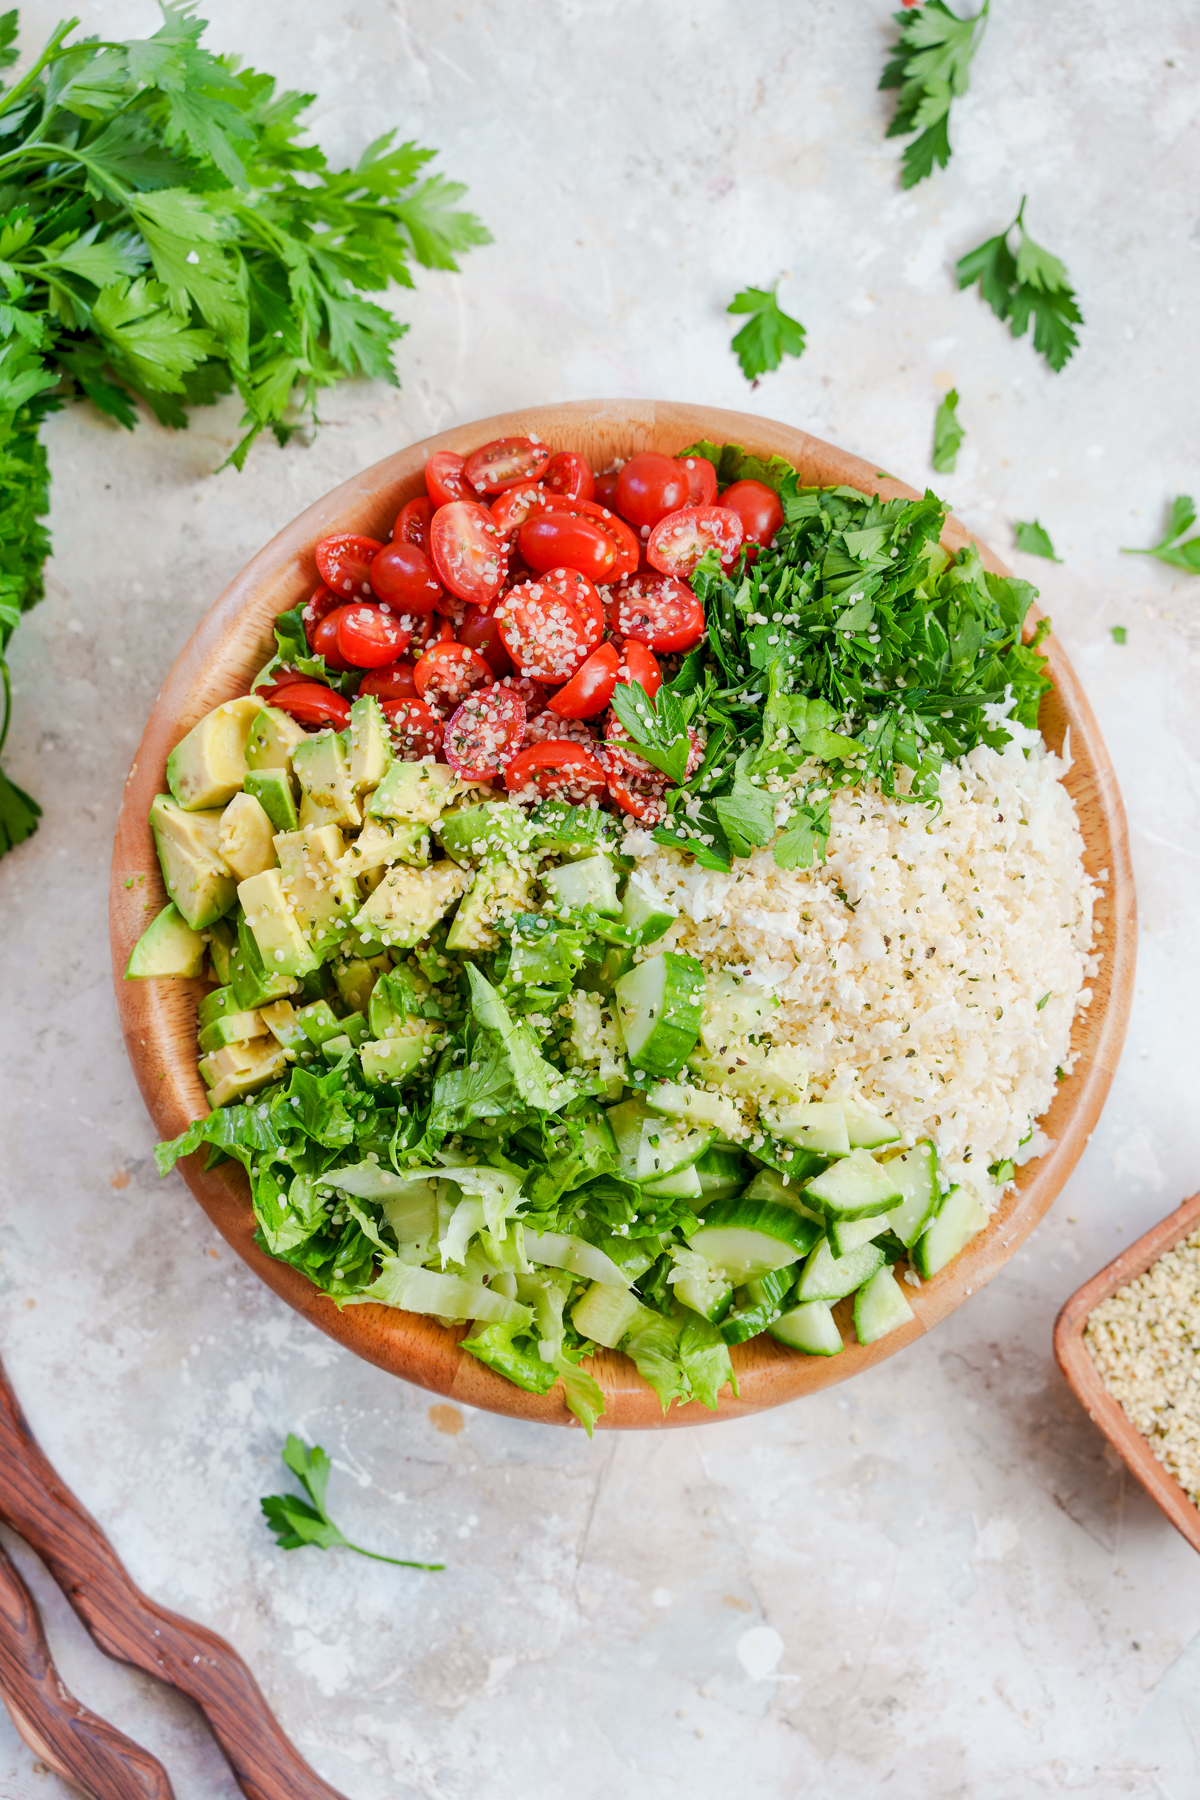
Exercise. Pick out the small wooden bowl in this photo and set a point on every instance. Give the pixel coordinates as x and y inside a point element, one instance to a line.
<point>1084,1377</point>
<point>159,1018</point>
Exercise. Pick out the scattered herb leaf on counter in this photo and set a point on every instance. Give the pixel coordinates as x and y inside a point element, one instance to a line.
<point>1119,634</point>
<point>297,1522</point>
<point>1184,556</point>
<point>166,237</point>
<point>930,65</point>
<point>769,336</point>
<point>1033,284</point>
<point>1034,539</point>
<point>948,434</point>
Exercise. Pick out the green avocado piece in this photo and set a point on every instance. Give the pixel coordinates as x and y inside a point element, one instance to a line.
<point>254,985</point>
<point>472,834</point>
<point>408,903</point>
<point>395,1059</point>
<point>273,791</point>
<point>168,947</point>
<point>273,739</point>
<point>322,767</point>
<point>356,977</point>
<point>247,837</point>
<point>277,929</point>
<point>319,1022</point>
<point>198,878</point>
<point>232,1028</point>
<point>241,1069</point>
<point>208,766</point>
<point>323,898</point>
<point>217,1005</point>
<point>498,888</point>
<point>370,744</point>
<point>419,792</point>
<point>221,940</point>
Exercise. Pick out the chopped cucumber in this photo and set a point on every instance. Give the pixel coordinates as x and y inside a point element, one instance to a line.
<point>856,1188</point>
<point>667,1147</point>
<point>681,1184</point>
<point>769,1184</point>
<point>748,1238</point>
<point>961,1216</point>
<point>710,1295</point>
<point>848,1234</point>
<point>606,1313</point>
<point>696,1105</point>
<point>626,1121</point>
<point>880,1307</point>
<point>760,1306</point>
<point>659,1003</point>
<point>722,1173</point>
<point>592,882</point>
<point>915,1174</point>
<point>865,1129</point>
<point>817,1125</point>
<point>826,1277</point>
<point>732,1011</point>
<point>643,914</point>
<point>810,1327</point>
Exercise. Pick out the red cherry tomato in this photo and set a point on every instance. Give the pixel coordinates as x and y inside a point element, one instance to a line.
<point>758,508</point>
<point>701,480</point>
<point>639,798</point>
<point>311,704</point>
<point>605,488</point>
<point>547,727</point>
<point>321,604</point>
<point>637,664</point>
<point>445,479</point>
<point>658,610</point>
<point>413,522</point>
<point>446,674</point>
<point>468,552</point>
<point>624,541</point>
<point>416,730</point>
<point>514,506</point>
<point>567,474</point>
<point>504,462</point>
<point>531,692</point>
<point>556,540</point>
<point>344,563</point>
<point>392,682</point>
<point>452,608</point>
<point>323,641</point>
<point>588,692</point>
<point>427,629</point>
<point>480,632</point>
<point>648,488</point>
<point>621,759</point>
<point>578,591</point>
<point>546,636</point>
<point>403,576</point>
<point>283,678</point>
<point>678,542</point>
<point>368,637</point>
<point>556,766</point>
<point>485,733</point>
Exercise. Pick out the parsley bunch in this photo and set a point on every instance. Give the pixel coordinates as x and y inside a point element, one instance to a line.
<point>1032,284</point>
<point>166,237</point>
<point>930,65</point>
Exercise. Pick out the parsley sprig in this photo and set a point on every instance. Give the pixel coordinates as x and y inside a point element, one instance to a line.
<point>1171,549</point>
<point>297,1522</point>
<point>769,335</point>
<point>1030,284</point>
<point>931,66</point>
<point>658,726</point>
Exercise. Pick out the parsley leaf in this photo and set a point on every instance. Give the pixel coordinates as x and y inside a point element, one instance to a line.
<point>1119,634</point>
<point>1184,556</point>
<point>930,65</point>
<point>770,335</point>
<point>948,434</point>
<point>1035,539</point>
<point>657,726</point>
<point>1033,284</point>
<point>297,1522</point>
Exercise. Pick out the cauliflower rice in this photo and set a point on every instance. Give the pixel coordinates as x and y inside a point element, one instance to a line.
<point>933,964</point>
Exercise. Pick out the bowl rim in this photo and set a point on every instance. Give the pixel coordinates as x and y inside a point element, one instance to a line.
<point>158,1018</point>
<point>1083,1377</point>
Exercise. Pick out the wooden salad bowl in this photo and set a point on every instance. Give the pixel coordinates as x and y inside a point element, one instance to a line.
<point>159,1017</point>
<point>1084,1377</point>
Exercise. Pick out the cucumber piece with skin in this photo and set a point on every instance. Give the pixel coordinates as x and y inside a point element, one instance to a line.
<point>769,1184</point>
<point>695,1105</point>
<point>826,1277</point>
<point>650,919</point>
<point>606,1313</point>
<point>880,1307</point>
<point>732,1011</point>
<point>857,1187</point>
<point>915,1173</point>
<point>746,1239</point>
<point>710,1295</point>
<point>865,1129</point>
<point>817,1125</point>
<point>722,1174</point>
<point>626,1121</point>
<point>961,1216</point>
<point>591,882</point>
<point>760,1306</point>
<point>850,1234</point>
<point>810,1327</point>
<point>660,1007</point>
<point>667,1146</point>
<point>681,1184</point>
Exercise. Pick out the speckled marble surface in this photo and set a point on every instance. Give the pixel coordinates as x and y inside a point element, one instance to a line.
<point>933,1582</point>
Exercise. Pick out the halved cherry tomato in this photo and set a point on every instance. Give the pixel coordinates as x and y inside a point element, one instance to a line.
<point>658,610</point>
<point>567,474</point>
<point>445,479</point>
<point>318,607</point>
<point>637,664</point>
<point>446,674</point>
<point>282,678</point>
<point>452,608</point>
<point>546,727</point>
<point>485,733</point>
<point>370,638</point>
<point>578,591</point>
<point>531,692</point>
<point>701,480</point>
<point>416,729</point>
<point>624,541</point>
<point>678,542</point>
<point>311,704</point>
<point>556,766</point>
<point>323,641</point>
<point>621,759</point>
<point>589,691</point>
<point>556,540</point>
<point>393,682</point>
<point>468,552</point>
<point>413,522</point>
<point>759,509</point>
<point>514,506</point>
<point>504,462</point>
<point>480,632</point>
<point>546,636</point>
<point>639,798</point>
<point>427,629</point>
<point>344,563</point>
<point>648,488</point>
<point>403,576</point>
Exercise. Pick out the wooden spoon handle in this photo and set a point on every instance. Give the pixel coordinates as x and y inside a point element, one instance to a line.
<point>134,1629</point>
<point>80,1747</point>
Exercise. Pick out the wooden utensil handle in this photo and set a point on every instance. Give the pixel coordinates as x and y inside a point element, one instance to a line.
<point>80,1747</point>
<point>134,1629</point>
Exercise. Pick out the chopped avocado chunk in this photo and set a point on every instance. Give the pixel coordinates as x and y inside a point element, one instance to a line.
<point>395,1059</point>
<point>277,929</point>
<point>356,977</point>
<point>198,878</point>
<point>370,744</point>
<point>498,888</point>
<point>216,1005</point>
<point>247,837</point>
<point>319,1022</point>
<point>272,789</point>
<point>273,739</point>
<point>283,1022</point>
<point>241,1069</point>
<point>208,766</point>
<point>221,939</point>
<point>408,903</point>
<point>324,898</point>
<point>472,834</point>
<point>232,1028</point>
<point>381,841</point>
<point>322,766</point>
<point>252,982</point>
<point>419,792</point>
<point>167,948</point>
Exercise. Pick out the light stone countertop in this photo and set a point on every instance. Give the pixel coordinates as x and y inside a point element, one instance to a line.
<point>933,1581</point>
